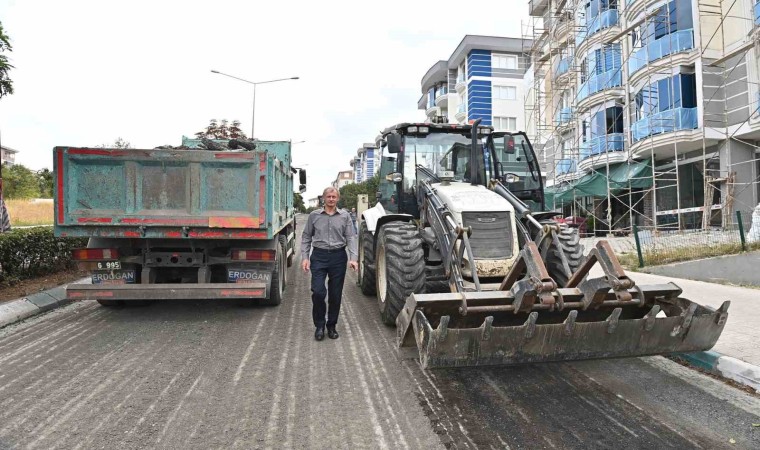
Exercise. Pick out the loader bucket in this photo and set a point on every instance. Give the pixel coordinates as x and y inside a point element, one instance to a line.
<point>497,330</point>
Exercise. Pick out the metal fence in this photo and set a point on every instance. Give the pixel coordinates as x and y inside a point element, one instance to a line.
<point>662,246</point>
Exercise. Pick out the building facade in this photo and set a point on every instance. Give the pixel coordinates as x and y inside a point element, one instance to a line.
<point>344,177</point>
<point>482,79</point>
<point>646,111</point>
<point>8,155</point>
<point>365,162</point>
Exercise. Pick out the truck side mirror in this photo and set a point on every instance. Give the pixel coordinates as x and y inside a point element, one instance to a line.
<point>302,188</point>
<point>302,176</point>
<point>394,143</point>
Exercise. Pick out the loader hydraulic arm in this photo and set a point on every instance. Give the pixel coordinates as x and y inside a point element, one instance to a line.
<point>448,233</point>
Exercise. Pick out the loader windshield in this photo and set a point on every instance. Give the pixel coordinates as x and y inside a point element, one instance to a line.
<point>438,152</point>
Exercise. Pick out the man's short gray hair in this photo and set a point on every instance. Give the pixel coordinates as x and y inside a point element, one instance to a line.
<point>328,189</point>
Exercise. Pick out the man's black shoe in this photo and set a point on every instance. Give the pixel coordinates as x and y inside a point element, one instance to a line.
<point>332,333</point>
<point>319,334</point>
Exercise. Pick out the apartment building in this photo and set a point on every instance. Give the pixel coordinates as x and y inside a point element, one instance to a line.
<point>482,79</point>
<point>8,155</point>
<point>646,111</point>
<point>344,177</point>
<point>364,163</point>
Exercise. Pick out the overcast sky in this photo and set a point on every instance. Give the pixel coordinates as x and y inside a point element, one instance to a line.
<point>88,72</point>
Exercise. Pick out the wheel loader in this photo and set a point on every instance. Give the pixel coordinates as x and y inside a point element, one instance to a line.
<point>470,268</point>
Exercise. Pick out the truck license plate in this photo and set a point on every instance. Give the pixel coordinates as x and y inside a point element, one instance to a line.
<point>109,265</point>
<point>114,277</point>
<point>247,276</point>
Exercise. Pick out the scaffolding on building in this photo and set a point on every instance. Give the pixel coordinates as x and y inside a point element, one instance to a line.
<point>564,140</point>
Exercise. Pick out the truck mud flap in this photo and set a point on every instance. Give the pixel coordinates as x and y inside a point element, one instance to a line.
<point>495,329</point>
<point>207,291</point>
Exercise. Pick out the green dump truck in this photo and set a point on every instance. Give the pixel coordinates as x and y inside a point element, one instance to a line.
<point>167,224</point>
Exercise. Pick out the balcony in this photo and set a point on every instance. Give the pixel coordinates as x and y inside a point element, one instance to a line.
<point>666,45</point>
<point>537,7</point>
<point>563,66</point>
<point>442,98</point>
<point>565,166</point>
<point>461,114</point>
<point>665,122</point>
<point>461,85</point>
<point>600,82</point>
<point>613,142</point>
<point>564,115</point>
<point>604,20</point>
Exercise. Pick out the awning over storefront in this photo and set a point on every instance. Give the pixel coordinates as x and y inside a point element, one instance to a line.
<point>623,176</point>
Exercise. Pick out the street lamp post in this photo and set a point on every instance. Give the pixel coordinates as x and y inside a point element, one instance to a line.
<point>254,83</point>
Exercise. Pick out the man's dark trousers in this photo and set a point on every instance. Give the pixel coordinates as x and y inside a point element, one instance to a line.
<point>329,264</point>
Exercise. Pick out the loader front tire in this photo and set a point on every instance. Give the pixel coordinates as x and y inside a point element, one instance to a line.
<point>569,241</point>
<point>366,261</point>
<point>400,268</point>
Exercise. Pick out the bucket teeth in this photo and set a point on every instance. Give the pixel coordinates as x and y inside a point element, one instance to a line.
<point>530,325</point>
<point>487,328</point>
<point>612,320</point>
<point>570,322</point>
<point>443,328</point>
<point>723,313</point>
<point>650,318</point>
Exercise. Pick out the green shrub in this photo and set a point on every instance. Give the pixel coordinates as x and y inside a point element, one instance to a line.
<point>30,252</point>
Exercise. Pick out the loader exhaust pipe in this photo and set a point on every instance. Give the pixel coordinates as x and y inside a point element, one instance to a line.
<point>475,169</point>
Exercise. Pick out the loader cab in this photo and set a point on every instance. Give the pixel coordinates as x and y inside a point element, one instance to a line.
<point>516,166</point>
<point>413,152</point>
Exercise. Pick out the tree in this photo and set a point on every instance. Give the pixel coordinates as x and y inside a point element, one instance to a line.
<point>349,192</point>
<point>298,203</point>
<point>6,85</point>
<point>222,130</point>
<point>118,143</point>
<point>20,182</point>
<point>45,180</point>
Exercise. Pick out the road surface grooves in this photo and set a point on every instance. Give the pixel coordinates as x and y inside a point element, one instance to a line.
<point>232,374</point>
<point>226,374</point>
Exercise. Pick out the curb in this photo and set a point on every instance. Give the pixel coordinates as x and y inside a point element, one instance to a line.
<point>726,366</point>
<point>22,308</point>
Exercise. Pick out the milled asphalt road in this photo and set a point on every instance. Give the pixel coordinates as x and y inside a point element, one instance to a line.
<point>230,375</point>
<point>742,269</point>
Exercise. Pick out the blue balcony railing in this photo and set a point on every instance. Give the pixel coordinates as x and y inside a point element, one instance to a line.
<point>566,165</point>
<point>599,82</point>
<point>666,45</point>
<point>564,115</point>
<point>665,122</point>
<point>563,66</point>
<point>604,20</point>
<point>462,108</point>
<point>613,142</point>
<point>757,13</point>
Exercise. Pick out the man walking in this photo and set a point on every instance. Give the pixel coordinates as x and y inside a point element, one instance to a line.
<point>329,231</point>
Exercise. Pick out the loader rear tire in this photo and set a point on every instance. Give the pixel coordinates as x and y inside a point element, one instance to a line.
<point>569,240</point>
<point>400,268</point>
<point>366,261</point>
<point>277,286</point>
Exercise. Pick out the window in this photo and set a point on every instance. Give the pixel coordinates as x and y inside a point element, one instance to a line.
<point>505,123</point>
<point>505,92</point>
<point>504,62</point>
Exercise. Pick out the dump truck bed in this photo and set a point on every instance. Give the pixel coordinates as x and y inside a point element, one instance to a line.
<point>171,193</point>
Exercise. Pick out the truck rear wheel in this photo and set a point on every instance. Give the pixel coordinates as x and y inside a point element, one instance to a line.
<point>108,303</point>
<point>366,261</point>
<point>277,285</point>
<point>400,268</point>
<point>569,241</point>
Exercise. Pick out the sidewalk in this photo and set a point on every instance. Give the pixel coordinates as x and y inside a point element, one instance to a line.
<point>736,355</point>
